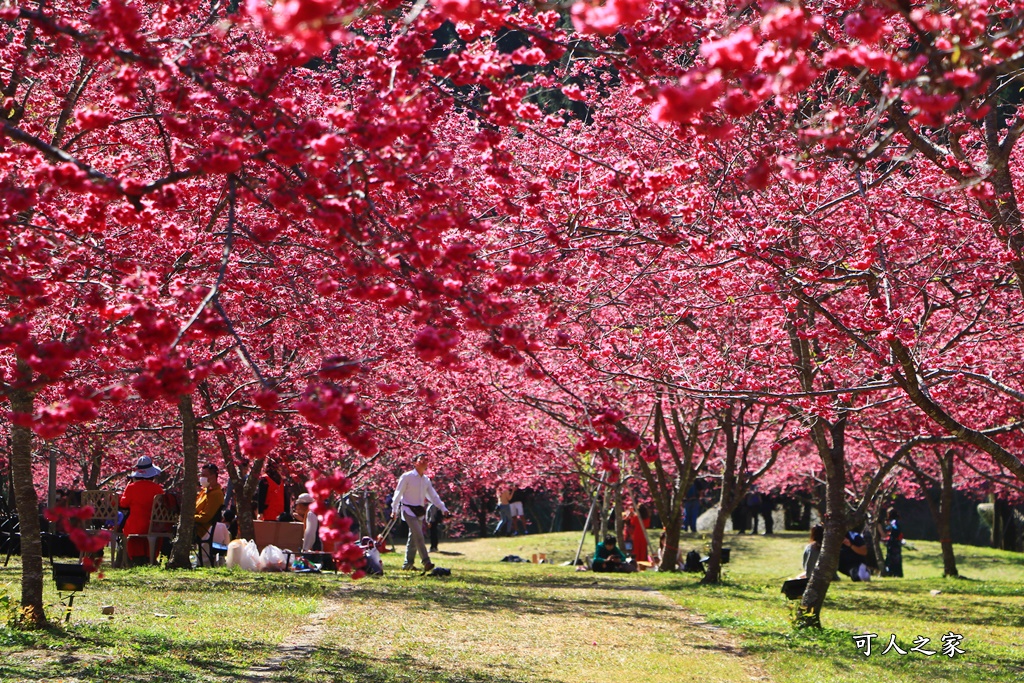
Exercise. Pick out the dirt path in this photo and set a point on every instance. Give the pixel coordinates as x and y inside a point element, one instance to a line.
<point>299,644</point>
<point>722,639</point>
<point>595,632</point>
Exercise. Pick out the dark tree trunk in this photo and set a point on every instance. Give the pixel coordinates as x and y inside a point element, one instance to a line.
<point>617,516</point>
<point>93,467</point>
<point>27,503</point>
<point>370,500</point>
<point>182,548</point>
<point>731,496</point>
<point>668,491</point>
<point>946,515</point>
<point>479,506</point>
<point>940,506</point>
<point>713,573</point>
<point>672,530</point>
<point>243,484</point>
<point>834,522</point>
<point>246,488</point>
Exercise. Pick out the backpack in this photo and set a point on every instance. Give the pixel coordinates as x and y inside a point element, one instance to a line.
<point>692,562</point>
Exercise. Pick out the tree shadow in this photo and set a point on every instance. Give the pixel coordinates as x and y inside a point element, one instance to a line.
<point>480,597</point>
<point>146,657</point>
<point>337,664</point>
<point>479,592</point>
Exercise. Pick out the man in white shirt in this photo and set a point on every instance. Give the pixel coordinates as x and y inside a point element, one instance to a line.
<point>412,494</point>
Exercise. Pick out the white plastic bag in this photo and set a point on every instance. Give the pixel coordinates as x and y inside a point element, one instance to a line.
<point>250,560</point>
<point>235,551</point>
<point>272,559</point>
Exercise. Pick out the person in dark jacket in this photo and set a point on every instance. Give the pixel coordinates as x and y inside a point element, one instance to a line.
<point>608,558</point>
<point>893,544</point>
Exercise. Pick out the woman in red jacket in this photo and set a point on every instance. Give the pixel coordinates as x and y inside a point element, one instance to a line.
<point>636,522</point>
<point>137,499</point>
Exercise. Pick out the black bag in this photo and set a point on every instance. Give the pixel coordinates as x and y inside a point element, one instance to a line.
<point>692,562</point>
<point>417,510</point>
<point>794,588</point>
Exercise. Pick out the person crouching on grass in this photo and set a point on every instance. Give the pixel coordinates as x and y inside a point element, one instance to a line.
<point>608,558</point>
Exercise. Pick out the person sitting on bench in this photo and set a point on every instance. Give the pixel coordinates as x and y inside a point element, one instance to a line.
<point>608,558</point>
<point>210,500</point>
<point>311,524</point>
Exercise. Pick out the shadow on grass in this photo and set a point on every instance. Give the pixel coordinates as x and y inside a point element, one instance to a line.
<point>962,611</point>
<point>224,581</point>
<point>96,654</point>
<point>341,665</point>
<point>468,596</point>
<point>529,592</point>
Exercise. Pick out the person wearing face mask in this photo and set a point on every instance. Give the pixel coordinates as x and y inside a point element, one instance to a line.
<point>210,501</point>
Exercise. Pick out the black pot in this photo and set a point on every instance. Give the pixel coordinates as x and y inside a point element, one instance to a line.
<point>69,577</point>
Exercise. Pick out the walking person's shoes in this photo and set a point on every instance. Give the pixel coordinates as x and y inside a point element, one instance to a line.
<point>409,568</point>
<point>427,566</point>
<point>434,550</point>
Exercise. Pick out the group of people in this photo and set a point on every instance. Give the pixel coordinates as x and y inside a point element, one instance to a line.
<point>136,503</point>
<point>415,500</point>
<point>608,557</point>
<point>855,558</point>
<point>756,505</point>
<point>511,515</point>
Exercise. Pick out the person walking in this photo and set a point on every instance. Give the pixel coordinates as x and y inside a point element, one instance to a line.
<point>504,495</point>
<point>893,544</point>
<point>691,507</point>
<point>410,499</point>
<point>515,508</point>
<point>434,518</point>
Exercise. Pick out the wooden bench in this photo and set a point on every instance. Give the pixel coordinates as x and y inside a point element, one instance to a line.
<point>285,535</point>
<point>288,537</point>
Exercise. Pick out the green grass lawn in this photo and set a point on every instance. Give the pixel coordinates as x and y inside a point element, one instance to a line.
<point>494,622</point>
<point>986,607</point>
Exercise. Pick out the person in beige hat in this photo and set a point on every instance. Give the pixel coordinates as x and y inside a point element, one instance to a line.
<point>311,534</point>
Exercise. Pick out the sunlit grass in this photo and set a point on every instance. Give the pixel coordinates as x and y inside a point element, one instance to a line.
<point>494,622</point>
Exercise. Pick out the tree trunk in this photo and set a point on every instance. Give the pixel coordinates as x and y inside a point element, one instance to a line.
<point>604,494</point>
<point>731,495</point>
<point>617,517</point>
<point>27,503</point>
<point>92,473</point>
<point>834,522</point>
<point>243,502</point>
<point>940,506</point>
<point>182,549</point>
<point>713,573</point>
<point>672,529</point>
<point>946,514</point>
<point>370,499</point>
<point>243,484</point>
